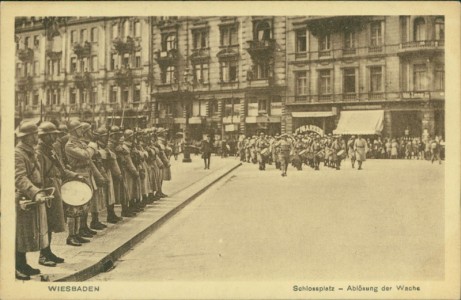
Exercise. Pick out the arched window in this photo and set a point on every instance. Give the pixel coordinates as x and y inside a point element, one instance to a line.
<point>263,31</point>
<point>171,42</point>
<point>419,29</point>
<point>439,29</point>
<point>126,28</point>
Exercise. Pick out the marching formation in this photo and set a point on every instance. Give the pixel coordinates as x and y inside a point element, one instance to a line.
<point>309,149</point>
<point>65,174</point>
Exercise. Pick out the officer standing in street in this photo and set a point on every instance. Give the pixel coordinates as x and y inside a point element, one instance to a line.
<point>206,149</point>
<point>361,148</point>
<point>285,148</point>
<point>31,221</point>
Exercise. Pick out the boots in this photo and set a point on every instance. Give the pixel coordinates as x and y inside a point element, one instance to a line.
<point>95,224</point>
<point>72,241</point>
<point>111,216</point>
<point>23,270</point>
<point>126,212</point>
<point>85,231</point>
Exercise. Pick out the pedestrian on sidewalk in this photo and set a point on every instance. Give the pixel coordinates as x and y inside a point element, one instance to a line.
<point>206,149</point>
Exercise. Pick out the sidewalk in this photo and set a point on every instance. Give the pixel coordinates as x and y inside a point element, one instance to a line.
<point>81,263</point>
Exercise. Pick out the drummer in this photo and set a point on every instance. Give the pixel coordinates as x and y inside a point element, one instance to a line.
<point>337,147</point>
<point>261,146</point>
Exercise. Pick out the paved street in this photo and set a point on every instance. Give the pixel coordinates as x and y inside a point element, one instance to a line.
<point>385,222</point>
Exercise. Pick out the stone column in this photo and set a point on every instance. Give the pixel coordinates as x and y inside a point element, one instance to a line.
<point>387,124</point>
<point>243,109</point>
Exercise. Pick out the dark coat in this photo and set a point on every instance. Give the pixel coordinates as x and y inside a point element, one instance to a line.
<point>31,225</point>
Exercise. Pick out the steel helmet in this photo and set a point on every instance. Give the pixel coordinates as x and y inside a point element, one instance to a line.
<point>74,124</point>
<point>100,131</point>
<point>46,128</point>
<point>128,133</point>
<point>63,128</point>
<point>26,128</point>
<point>85,127</point>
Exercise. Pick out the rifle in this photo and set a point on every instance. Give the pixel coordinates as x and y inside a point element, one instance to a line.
<point>123,117</point>
<point>41,113</point>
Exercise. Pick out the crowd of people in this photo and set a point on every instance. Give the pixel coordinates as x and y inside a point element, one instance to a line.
<point>119,166</point>
<point>312,150</point>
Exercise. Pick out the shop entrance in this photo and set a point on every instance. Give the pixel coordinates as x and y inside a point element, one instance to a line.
<point>439,118</point>
<point>406,119</point>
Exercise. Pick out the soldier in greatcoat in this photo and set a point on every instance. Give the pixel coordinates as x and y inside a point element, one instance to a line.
<point>285,148</point>
<point>53,173</point>
<point>131,173</point>
<point>31,222</point>
<point>106,163</point>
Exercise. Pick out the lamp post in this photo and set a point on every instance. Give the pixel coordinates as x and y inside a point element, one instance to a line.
<point>184,90</point>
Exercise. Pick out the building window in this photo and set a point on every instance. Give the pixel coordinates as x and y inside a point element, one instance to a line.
<point>376,79</point>
<point>36,69</point>
<point>419,30</point>
<point>349,80</point>
<point>403,29</point>
<point>262,106</point>
<point>73,36</point>
<point>137,62</point>
<point>113,59</point>
<point>125,95</point>
<point>73,96</point>
<point>94,63</point>
<point>126,28</point>
<point>439,78</point>
<point>301,83</point>
<point>324,82</point>
<point>57,67</point>
<point>349,40</point>
<point>201,73</point>
<point>18,70</point>
<point>35,99</point>
<point>113,94</point>
<point>26,42</point>
<point>49,67</point>
<point>214,108</point>
<point>168,75</point>
<point>420,77</point>
<point>169,42</point>
<point>263,31</point>
<point>229,71</point>
<point>36,41</point>
<point>83,35</point>
<point>301,41</point>
<point>200,40</point>
<point>439,29</point>
<point>229,35</point>
<point>94,34</point>
<point>94,95</point>
<point>137,93</point>
<point>324,42</point>
<point>126,60</point>
<point>261,70</point>
<point>137,29</point>
<point>83,96</point>
<point>114,31</point>
<point>376,37</point>
<point>73,64</point>
<point>231,107</point>
<point>82,65</point>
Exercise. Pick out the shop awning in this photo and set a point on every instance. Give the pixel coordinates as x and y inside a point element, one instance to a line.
<point>312,114</point>
<point>366,122</point>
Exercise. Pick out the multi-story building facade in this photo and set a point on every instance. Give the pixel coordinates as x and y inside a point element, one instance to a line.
<point>83,67</point>
<point>219,74</point>
<point>393,64</point>
<point>234,75</point>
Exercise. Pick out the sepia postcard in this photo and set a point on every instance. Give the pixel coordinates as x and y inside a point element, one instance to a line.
<point>230,150</point>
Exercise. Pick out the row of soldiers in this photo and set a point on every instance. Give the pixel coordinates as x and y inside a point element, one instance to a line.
<point>309,149</point>
<point>127,167</point>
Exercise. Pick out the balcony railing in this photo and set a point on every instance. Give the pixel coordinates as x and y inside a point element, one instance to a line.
<point>376,96</point>
<point>355,97</point>
<point>167,56</point>
<point>262,47</point>
<point>128,45</point>
<point>82,49</point>
<point>347,52</point>
<point>26,55</point>
<point>423,44</point>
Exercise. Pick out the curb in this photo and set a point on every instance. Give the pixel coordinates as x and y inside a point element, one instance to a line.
<point>107,262</point>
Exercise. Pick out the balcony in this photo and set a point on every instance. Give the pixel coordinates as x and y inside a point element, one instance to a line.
<point>121,46</point>
<point>373,96</point>
<point>425,95</point>
<point>82,50</point>
<point>349,97</point>
<point>263,48</point>
<point>26,83</point>
<point>199,55</point>
<point>375,49</point>
<point>417,46</point>
<point>82,80</point>
<point>168,57</point>
<point>26,55</point>
<point>123,76</point>
<point>54,55</point>
<point>349,51</point>
<point>325,53</point>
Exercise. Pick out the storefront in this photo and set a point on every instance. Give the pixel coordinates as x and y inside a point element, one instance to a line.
<point>323,120</point>
<point>360,122</point>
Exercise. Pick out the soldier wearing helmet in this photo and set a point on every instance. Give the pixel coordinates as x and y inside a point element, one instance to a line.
<point>31,222</point>
<point>61,140</point>
<point>130,173</point>
<point>80,156</point>
<point>53,174</point>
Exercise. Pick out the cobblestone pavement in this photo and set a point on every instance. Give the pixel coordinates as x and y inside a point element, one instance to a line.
<point>384,222</point>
